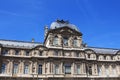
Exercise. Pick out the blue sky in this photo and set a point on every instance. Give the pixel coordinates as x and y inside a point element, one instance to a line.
<point>98,20</point>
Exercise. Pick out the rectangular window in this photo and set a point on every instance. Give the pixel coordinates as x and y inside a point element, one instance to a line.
<point>107,70</point>
<point>15,68</point>
<point>16,52</point>
<point>75,43</point>
<point>67,68</point>
<point>27,53</point>
<point>4,67</point>
<point>90,70</point>
<point>77,54</point>
<point>55,41</point>
<point>39,69</point>
<point>78,69</point>
<point>56,71</point>
<point>56,53</point>
<point>65,41</point>
<point>26,69</point>
<point>5,52</point>
<point>99,70</point>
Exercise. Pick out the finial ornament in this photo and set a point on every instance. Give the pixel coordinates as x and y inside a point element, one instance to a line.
<point>62,21</point>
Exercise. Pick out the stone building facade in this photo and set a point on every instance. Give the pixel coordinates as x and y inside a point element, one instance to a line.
<point>62,56</point>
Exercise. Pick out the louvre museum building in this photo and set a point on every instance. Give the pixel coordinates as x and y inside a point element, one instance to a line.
<point>62,56</point>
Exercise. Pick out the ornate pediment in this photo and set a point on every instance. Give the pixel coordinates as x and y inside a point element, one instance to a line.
<point>40,47</point>
<point>89,51</point>
<point>65,30</point>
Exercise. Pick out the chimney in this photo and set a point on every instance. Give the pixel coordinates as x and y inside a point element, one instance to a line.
<point>45,31</point>
<point>33,40</point>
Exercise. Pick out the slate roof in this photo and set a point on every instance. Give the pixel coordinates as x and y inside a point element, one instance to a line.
<point>19,44</point>
<point>30,45</point>
<point>103,50</point>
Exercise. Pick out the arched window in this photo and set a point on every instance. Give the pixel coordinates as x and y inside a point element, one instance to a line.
<point>55,40</point>
<point>75,42</point>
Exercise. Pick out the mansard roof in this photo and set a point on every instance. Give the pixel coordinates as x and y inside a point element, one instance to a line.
<point>103,50</point>
<point>30,45</point>
<point>19,44</point>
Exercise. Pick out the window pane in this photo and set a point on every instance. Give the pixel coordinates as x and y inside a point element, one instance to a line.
<point>56,53</point>
<point>107,70</point>
<point>65,41</point>
<point>26,69</point>
<point>5,52</point>
<point>39,69</point>
<point>67,68</point>
<point>4,67</point>
<point>78,69</point>
<point>99,70</point>
<point>16,52</point>
<point>27,53</point>
<point>56,69</point>
<point>75,42</point>
<point>15,68</point>
<point>55,41</point>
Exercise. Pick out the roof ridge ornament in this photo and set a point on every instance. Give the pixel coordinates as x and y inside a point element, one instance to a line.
<point>62,21</point>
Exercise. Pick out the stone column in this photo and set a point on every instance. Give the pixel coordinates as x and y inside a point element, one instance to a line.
<point>110,69</point>
<point>103,69</point>
<point>31,67</point>
<point>95,69</point>
<point>73,68</point>
<point>22,67</point>
<point>51,39</point>
<point>84,68</point>
<point>118,69</point>
<point>10,67</point>
<point>80,42</point>
<point>48,67</point>
<point>51,64</point>
<point>34,67</point>
<point>61,68</point>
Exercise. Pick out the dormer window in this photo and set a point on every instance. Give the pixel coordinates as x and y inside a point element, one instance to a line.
<point>40,53</point>
<point>88,55</point>
<point>16,52</point>
<point>5,52</point>
<point>65,41</point>
<point>75,42</point>
<point>56,53</point>
<point>77,54</point>
<point>27,53</point>
<point>55,41</point>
